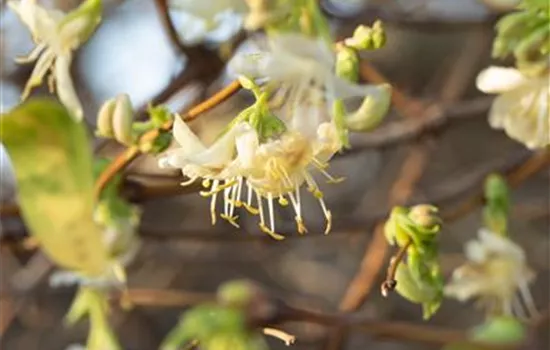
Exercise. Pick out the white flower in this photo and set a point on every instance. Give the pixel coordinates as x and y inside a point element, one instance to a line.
<point>213,21</point>
<point>496,271</point>
<point>277,169</point>
<point>243,169</point>
<point>56,36</point>
<point>302,70</point>
<point>522,108</point>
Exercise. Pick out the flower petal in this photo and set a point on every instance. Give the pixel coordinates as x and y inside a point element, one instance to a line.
<point>247,144</point>
<point>40,69</point>
<point>227,24</point>
<point>65,88</point>
<point>499,79</point>
<point>189,142</point>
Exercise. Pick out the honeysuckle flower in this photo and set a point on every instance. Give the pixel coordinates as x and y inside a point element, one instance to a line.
<point>495,272</point>
<point>214,21</point>
<point>521,108</point>
<point>56,36</point>
<point>244,168</point>
<point>302,70</point>
<point>196,160</point>
<point>276,169</point>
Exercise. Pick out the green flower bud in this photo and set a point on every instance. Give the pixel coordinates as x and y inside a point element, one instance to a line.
<point>83,21</point>
<point>372,111</point>
<point>367,38</point>
<point>347,64</point>
<point>425,216</point>
<point>236,293</point>
<point>500,330</point>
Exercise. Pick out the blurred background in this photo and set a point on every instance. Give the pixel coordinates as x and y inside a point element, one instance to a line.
<point>435,48</point>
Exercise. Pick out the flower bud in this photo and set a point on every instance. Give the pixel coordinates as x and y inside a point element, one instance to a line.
<point>123,115</point>
<point>105,119</point>
<point>425,216</point>
<point>347,64</point>
<point>372,111</point>
<point>367,38</point>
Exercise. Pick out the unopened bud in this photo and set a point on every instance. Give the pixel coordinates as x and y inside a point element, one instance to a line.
<point>367,38</point>
<point>123,115</point>
<point>372,111</point>
<point>105,119</point>
<point>425,216</point>
<point>347,64</point>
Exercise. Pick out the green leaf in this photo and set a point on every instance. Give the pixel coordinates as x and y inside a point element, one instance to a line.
<point>53,167</point>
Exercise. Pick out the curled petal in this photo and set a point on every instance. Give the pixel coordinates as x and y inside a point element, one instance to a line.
<point>189,142</point>
<point>499,79</point>
<point>65,88</point>
<point>40,69</point>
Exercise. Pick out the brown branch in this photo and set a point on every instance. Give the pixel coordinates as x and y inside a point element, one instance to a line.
<point>517,176</point>
<point>375,253</point>
<point>123,159</point>
<point>162,297</point>
<point>435,117</point>
<point>403,103</point>
<point>284,313</point>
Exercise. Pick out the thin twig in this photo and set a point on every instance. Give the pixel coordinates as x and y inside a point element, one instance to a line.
<point>517,176</point>
<point>123,159</point>
<point>403,103</point>
<point>163,297</point>
<point>435,117</point>
<point>390,283</point>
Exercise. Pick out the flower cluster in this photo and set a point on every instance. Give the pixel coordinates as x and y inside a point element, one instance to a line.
<point>56,35</point>
<point>522,108</point>
<point>272,148</point>
<point>495,272</point>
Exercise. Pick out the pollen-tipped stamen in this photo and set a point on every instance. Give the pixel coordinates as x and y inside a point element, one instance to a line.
<point>227,184</point>
<point>189,182</point>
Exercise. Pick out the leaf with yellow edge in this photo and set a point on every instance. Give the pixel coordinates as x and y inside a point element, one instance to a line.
<point>52,161</point>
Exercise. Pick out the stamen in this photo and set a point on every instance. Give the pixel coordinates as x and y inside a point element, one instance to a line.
<point>318,164</point>
<point>282,201</point>
<point>213,201</point>
<point>311,184</point>
<point>271,213</point>
<point>273,234</point>
<point>227,184</point>
<point>233,191</point>
<point>206,183</point>
<point>321,167</point>
<point>297,209</point>
<point>231,219</point>
<point>328,215</point>
<point>528,299</point>
<point>226,204</point>
<point>189,182</point>
<point>518,308</point>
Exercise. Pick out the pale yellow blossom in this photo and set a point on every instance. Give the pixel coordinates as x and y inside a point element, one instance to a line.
<point>521,108</point>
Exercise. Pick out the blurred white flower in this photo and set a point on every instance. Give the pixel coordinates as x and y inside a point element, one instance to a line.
<point>56,36</point>
<point>214,21</point>
<point>495,272</point>
<point>301,69</point>
<point>522,108</point>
